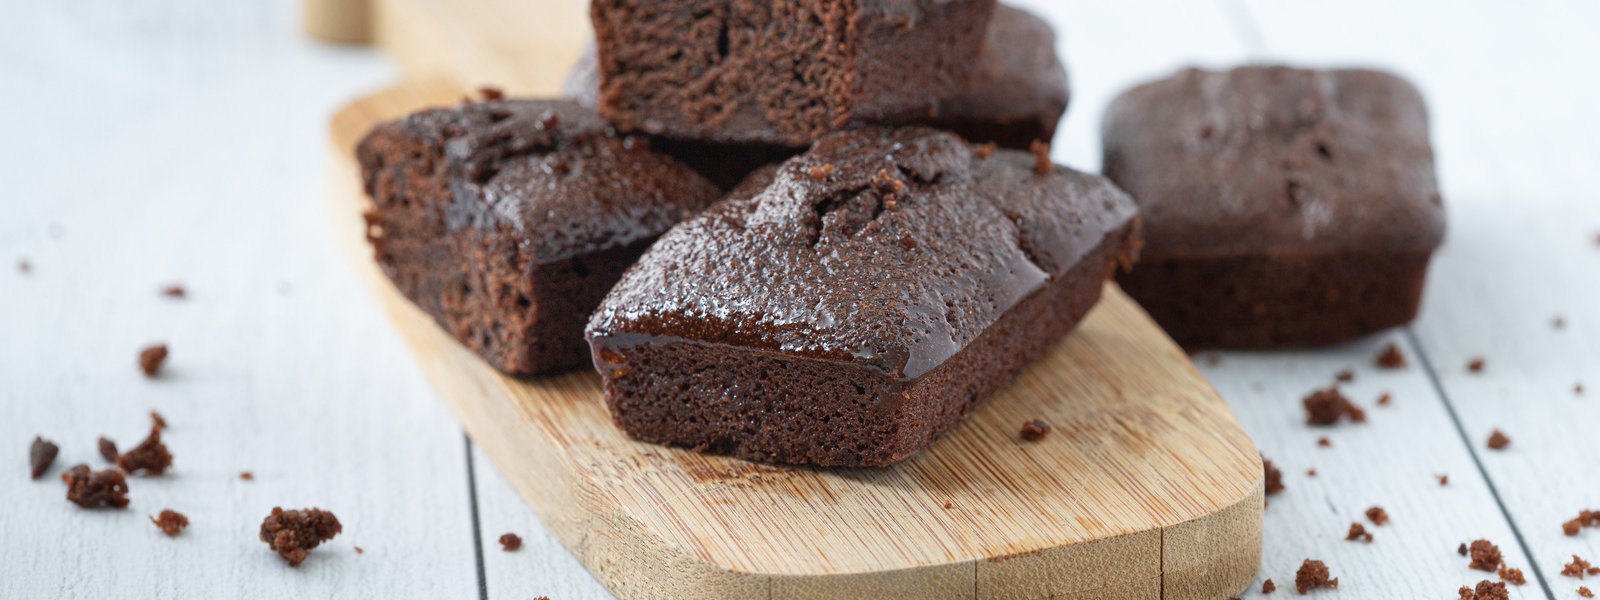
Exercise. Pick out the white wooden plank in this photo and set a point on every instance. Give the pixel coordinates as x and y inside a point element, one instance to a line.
<point>184,141</point>
<point>1390,461</point>
<point>543,567</point>
<point>1512,97</point>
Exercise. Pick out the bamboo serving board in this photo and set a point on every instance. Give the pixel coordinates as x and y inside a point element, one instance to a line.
<point>1147,488</point>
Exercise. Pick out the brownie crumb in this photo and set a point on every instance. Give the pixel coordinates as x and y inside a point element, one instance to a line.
<point>1486,590</point>
<point>987,150</point>
<point>949,505</point>
<point>1498,440</point>
<point>40,455</point>
<point>1583,591</point>
<point>1358,533</point>
<point>360,550</point>
<point>1378,516</point>
<point>510,542</point>
<point>1268,587</point>
<point>1577,568</point>
<point>821,171</point>
<point>170,522</point>
<point>1392,357</point>
<point>293,533</point>
<point>1462,549</point>
<point>175,291</point>
<point>1475,365</point>
<point>1485,556</point>
<point>157,421</point>
<point>1035,430</point>
<point>150,456</point>
<point>247,476</point>
<point>1384,399</point>
<point>1512,576</point>
<point>1571,527</point>
<point>24,267</point>
<point>1274,477</point>
<point>1311,472</point>
<point>491,93</point>
<point>1312,575</point>
<point>1041,158</point>
<point>108,449</point>
<point>1345,376</point>
<point>1325,407</point>
<point>150,359</point>
<point>1444,479</point>
<point>1324,442</point>
<point>97,489</point>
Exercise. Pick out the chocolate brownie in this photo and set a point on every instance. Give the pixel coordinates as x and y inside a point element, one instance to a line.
<point>1018,94</point>
<point>782,73</point>
<point>507,221</point>
<point>1285,207</point>
<point>854,303</point>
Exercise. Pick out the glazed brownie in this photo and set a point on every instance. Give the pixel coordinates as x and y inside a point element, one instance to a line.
<point>507,221</point>
<point>854,303</point>
<point>1018,95</point>
<point>1285,207</point>
<point>780,73</point>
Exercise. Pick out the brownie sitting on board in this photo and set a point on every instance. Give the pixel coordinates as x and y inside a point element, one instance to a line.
<point>854,303</point>
<point>1284,207</point>
<point>507,221</point>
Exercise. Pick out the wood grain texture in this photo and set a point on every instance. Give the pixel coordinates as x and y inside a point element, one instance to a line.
<point>1142,446</point>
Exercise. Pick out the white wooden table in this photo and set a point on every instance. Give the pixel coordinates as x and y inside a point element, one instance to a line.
<point>182,141</point>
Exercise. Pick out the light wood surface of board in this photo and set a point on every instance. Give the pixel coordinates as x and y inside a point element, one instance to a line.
<point>1146,489</point>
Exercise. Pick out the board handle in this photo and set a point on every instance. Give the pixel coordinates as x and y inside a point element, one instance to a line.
<point>337,21</point>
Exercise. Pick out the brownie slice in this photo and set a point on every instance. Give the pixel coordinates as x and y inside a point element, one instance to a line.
<point>1018,95</point>
<point>781,73</point>
<point>1284,207</point>
<point>507,221</point>
<point>854,303</point>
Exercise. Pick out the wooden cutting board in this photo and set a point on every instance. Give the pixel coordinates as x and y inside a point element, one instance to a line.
<point>1147,488</point>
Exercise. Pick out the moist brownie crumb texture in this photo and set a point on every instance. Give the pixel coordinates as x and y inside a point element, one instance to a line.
<point>97,489</point>
<point>898,292</point>
<point>1485,556</point>
<point>1035,430</point>
<point>1378,516</point>
<point>151,359</point>
<point>1498,440</point>
<point>1358,533</point>
<point>1273,477</point>
<point>1268,587</point>
<point>170,522</point>
<point>510,542</point>
<point>507,221</point>
<point>1512,576</point>
<point>41,453</point>
<point>1485,590</point>
<point>1328,406</point>
<point>293,533</point>
<point>1392,357</point>
<point>1313,574</point>
<point>150,456</point>
<point>108,449</point>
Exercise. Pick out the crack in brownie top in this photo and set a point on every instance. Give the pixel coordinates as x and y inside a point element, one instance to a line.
<point>887,248</point>
<point>551,169</point>
<point>1277,160</point>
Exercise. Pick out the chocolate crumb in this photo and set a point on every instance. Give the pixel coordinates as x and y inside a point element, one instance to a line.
<point>97,489</point>
<point>108,449</point>
<point>359,550</point>
<point>1324,442</point>
<point>1486,590</point>
<point>1392,357</point>
<point>986,150</point>
<point>510,542</point>
<point>170,522</point>
<point>1326,406</point>
<point>1462,549</point>
<point>150,359</point>
<point>247,476</point>
<point>1485,556</point>
<point>293,533</point>
<point>1475,365</point>
<point>1498,440</point>
<point>820,171</point>
<point>1345,376</point>
<point>175,291</point>
<point>1312,575</point>
<point>948,505</point>
<point>1041,158</point>
<point>1512,576</point>
<point>1311,472</point>
<point>1274,477</point>
<point>1571,527</point>
<point>40,455</point>
<point>1444,479</point>
<point>490,93</point>
<point>157,421</point>
<point>150,456</point>
<point>1384,399</point>
<point>1577,568</point>
<point>1378,516</point>
<point>1035,430</point>
<point>1268,587</point>
<point>1583,591</point>
<point>1358,533</point>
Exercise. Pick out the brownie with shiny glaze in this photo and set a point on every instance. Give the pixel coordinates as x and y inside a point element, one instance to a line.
<point>852,304</point>
<point>780,73</point>
<point>1017,95</point>
<point>508,220</point>
<point>1284,207</point>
